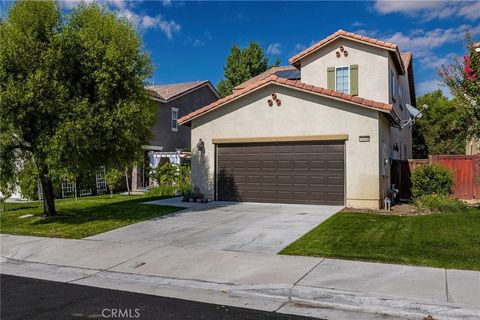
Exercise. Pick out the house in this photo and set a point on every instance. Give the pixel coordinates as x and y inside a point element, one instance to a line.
<point>321,131</point>
<point>472,147</point>
<point>169,139</point>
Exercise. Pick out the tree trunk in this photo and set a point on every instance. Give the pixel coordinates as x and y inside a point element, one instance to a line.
<point>48,194</point>
<point>126,180</point>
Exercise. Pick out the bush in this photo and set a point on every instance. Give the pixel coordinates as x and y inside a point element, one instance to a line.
<point>431,180</point>
<point>439,203</point>
<point>166,174</point>
<point>162,191</point>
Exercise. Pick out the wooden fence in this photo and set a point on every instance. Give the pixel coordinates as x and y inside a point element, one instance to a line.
<point>465,169</point>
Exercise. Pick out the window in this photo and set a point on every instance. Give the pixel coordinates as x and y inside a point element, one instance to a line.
<point>174,119</point>
<point>342,79</point>
<point>400,97</point>
<point>393,84</point>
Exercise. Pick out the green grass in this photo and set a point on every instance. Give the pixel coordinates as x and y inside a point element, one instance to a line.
<point>79,219</point>
<point>439,240</point>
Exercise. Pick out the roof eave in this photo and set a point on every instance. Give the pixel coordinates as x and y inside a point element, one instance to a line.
<point>296,60</point>
<point>188,121</point>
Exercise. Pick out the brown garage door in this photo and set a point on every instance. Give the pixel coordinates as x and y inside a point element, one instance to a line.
<point>285,172</point>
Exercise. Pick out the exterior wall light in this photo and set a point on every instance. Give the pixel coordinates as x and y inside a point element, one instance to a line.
<point>201,146</point>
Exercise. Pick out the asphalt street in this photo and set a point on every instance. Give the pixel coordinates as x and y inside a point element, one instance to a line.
<point>26,298</point>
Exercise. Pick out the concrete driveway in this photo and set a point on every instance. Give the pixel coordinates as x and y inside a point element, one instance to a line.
<point>232,226</point>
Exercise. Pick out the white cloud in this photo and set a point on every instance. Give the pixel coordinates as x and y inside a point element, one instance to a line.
<point>431,85</point>
<point>423,42</point>
<point>299,47</point>
<point>70,4</point>
<point>274,48</point>
<point>169,28</point>
<point>167,3</point>
<point>429,10</point>
<point>120,4</point>
<point>357,24</point>
<point>198,43</point>
<point>434,62</point>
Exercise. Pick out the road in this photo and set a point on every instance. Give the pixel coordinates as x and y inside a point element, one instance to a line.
<point>26,298</point>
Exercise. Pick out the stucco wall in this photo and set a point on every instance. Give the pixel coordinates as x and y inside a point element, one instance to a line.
<point>299,114</point>
<point>372,67</point>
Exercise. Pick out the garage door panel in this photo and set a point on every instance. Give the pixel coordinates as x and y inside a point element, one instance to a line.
<point>295,172</point>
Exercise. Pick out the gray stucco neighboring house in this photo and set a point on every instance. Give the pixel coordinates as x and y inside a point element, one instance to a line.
<point>169,139</point>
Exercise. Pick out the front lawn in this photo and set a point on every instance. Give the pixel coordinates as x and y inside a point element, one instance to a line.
<point>439,240</point>
<point>79,219</point>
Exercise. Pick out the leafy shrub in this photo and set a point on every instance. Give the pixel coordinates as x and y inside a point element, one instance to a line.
<point>111,178</point>
<point>183,180</point>
<point>166,174</point>
<point>431,180</point>
<point>439,203</point>
<point>161,191</point>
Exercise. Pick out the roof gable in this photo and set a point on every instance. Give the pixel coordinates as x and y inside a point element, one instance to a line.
<point>168,92</point>
<point>358,101</point>
<point>392,48</point>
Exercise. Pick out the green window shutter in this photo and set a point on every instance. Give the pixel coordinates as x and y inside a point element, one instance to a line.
<point>331,78</point>
<point>354,79</point>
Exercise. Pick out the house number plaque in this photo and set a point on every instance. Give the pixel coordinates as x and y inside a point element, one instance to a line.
<point>364,138</point>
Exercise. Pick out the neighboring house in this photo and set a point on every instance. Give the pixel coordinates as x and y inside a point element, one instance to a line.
<point>327,138</point>
<point>169,139</point>
<point>473,147</point>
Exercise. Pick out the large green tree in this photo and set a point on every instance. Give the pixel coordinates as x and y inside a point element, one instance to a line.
<point>71,91</point>
<point>440,129</point>
<point>243,64</point>
<point>463,80</point>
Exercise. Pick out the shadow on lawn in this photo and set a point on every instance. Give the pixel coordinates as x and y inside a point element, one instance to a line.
<point>21,206</point>
<point>83,211</point>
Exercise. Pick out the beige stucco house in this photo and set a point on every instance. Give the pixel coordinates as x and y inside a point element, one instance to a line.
<point>321,131</point>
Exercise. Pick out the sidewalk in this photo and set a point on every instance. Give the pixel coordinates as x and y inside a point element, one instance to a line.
<point>327,288</point>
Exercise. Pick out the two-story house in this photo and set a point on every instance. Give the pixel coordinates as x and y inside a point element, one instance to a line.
<point>321,131</point>
<point>168,138</point>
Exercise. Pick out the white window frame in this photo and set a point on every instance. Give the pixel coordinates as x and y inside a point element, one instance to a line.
<point>348,72</point>
<point>172,118</point>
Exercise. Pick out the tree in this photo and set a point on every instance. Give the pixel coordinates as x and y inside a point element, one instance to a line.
<point>111,178</point>
<point>463,80</point>
<point>72,92</point>
<point>440,129</point>
<point>243,64</point>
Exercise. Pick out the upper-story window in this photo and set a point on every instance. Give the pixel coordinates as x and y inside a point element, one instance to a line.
<point>393,83</point>
<point>174,119</point>
<point>400,97</point>
<point>342,79</point>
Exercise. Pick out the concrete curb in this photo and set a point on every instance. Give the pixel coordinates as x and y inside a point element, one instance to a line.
<point>393,306</point>
<point>261,297</point>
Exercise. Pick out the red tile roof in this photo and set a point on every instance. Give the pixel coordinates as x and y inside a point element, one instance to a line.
<point>295,60</point>
<point>380,106</point>
<point>170,91</point>
<point>263,75</point>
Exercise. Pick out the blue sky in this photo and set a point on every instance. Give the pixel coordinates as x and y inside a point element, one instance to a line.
<point>190,40</point>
